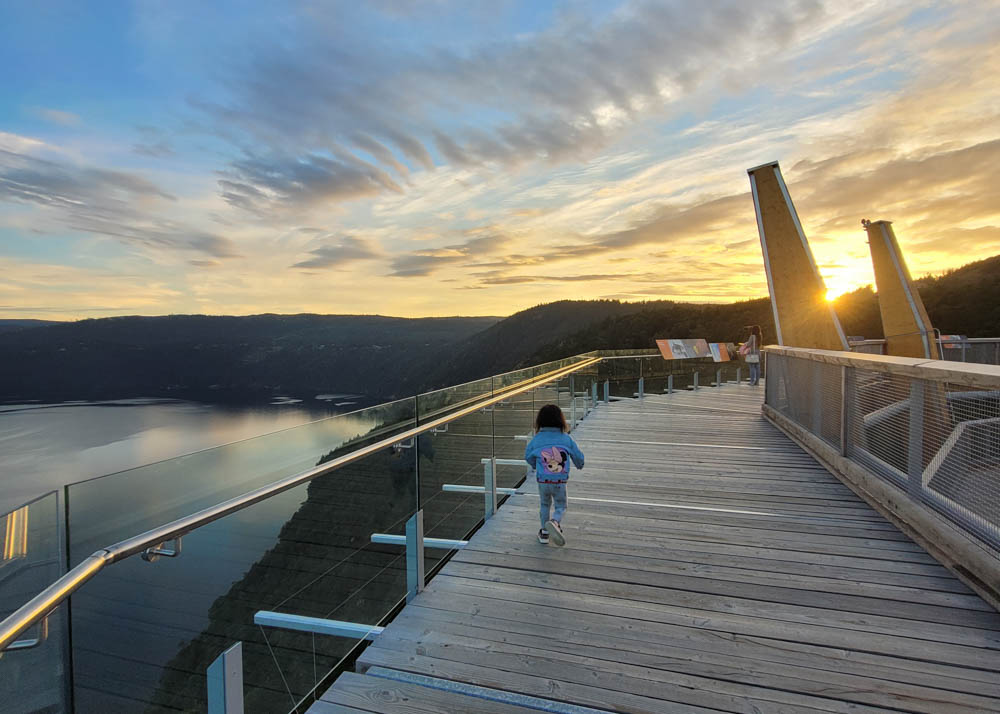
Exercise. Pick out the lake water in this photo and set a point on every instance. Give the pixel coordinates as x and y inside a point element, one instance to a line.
<point>45,446</point>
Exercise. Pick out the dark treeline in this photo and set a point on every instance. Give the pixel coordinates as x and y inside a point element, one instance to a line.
<point>256,357</point>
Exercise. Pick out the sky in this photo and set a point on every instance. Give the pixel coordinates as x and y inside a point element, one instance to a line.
<point>442,157</point>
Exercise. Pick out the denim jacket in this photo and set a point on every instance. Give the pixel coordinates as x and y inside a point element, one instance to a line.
<point>550,452</point>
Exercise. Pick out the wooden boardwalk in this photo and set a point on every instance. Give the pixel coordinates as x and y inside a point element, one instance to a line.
<point>712,565</point>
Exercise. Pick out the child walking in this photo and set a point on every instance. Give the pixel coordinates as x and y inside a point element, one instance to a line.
<point>549,453</point>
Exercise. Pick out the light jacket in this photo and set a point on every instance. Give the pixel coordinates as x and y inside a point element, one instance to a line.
<point>550,452</point>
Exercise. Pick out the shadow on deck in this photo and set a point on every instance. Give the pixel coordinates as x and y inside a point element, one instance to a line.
<point>711,565</point>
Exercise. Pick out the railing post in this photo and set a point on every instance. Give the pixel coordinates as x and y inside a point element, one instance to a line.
<point>816,403</point>
<point>415,555</point>
<point>572,411</point>
<point>225,682</point>
<point>845,411</point>
<point>490,484</point>
<point>696,381</point>
<point>739,371</point>
<point>670,384</point>
<point>642,386</point>
<point>915,440</point>
<point>607,392</point>
<point>416,451</point>
<point>718,377</point>
<point>593,389</point>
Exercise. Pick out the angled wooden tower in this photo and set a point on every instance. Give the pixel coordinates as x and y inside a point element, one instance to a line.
<point>908,331</point>
<point>802,315</point>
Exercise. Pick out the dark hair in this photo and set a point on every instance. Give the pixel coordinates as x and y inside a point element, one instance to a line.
<point>755,330</point>
<point>550,415</point>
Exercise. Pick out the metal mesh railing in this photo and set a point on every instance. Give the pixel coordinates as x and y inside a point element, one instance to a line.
<point>807,392</point>
<point>938,441</point>
<point>978,350</point>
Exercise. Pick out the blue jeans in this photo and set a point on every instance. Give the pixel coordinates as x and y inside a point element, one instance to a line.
<point>549,493</point>
<point>754,372</point>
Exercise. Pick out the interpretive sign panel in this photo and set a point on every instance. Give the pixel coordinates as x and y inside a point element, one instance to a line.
<point>683,349</point>
<point>721,351</point>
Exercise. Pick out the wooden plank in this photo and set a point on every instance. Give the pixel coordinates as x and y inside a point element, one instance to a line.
<point>321,707</point>
<point>603,652</point>
<point>851,595</point>
<point>889,570</point>
<point>556,623</point>
<point>376,694</point>
<point>618,676</point>
<point>765,623</point>
<point>931,590</point>
<point>588,695</point>
<point>881,617</point>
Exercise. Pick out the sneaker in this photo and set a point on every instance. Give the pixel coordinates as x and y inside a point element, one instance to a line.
<point>543,537</point>
<point>556,532</point>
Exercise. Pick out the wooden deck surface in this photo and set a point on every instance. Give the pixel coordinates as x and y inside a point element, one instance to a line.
<point>711,565</point>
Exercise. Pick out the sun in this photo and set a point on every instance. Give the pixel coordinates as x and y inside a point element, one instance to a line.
<point>832,295</point>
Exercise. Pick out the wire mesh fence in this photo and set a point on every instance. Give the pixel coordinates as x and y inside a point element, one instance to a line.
<point>938,442</point>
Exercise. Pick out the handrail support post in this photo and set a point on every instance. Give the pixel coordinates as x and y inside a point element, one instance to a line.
<point>915,440</point>
<point>415,555</point>
<point>225,682</point>
<point>490,486</point>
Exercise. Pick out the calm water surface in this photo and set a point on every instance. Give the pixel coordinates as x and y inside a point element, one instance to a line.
<point>45,446</point>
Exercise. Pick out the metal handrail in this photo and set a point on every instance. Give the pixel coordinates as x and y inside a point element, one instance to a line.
<point>50,598</point>
<point>970,374</point>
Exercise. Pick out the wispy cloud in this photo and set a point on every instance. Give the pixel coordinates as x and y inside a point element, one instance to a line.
<point>424,262</point>
<point>261,184</point>
<point>56,116</point>
<point>336,252</point>
<point>553,96</point>
<point>102,201</point>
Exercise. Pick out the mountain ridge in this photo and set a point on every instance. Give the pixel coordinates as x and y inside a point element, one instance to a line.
<point>254,357</point>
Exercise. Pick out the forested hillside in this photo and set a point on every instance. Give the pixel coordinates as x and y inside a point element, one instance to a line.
<point>255,357</point>
<point>221,358</point>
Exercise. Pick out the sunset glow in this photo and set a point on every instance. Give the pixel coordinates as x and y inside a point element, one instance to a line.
<point>448,158</point>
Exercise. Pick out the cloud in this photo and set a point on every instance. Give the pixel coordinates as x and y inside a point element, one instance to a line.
<point>261,184</point>
<point>555,95</point>
<point>56,116</point>
<point>424,262</point>
<point>153,142</point>
<point>594,277</point>
<point>157,150</point>
<point>17,144</point>
<point>102,201</point>
<point>340,252</point>
<point>49,183</point>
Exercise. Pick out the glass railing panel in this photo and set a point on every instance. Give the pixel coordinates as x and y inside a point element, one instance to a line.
<point>513,379</point>
<point>441,402</point>
<point>655,372</point>
<point>453,454</point>
<point>621,375</point>
<point>513,419</point>
<point>106,510</point>
<point>32,678</point>
<point>145,633</point>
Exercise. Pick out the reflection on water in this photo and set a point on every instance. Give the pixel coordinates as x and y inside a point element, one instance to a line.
<point>45,446</point>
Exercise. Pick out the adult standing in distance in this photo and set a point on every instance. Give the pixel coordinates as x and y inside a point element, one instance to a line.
<point>751,353</point>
